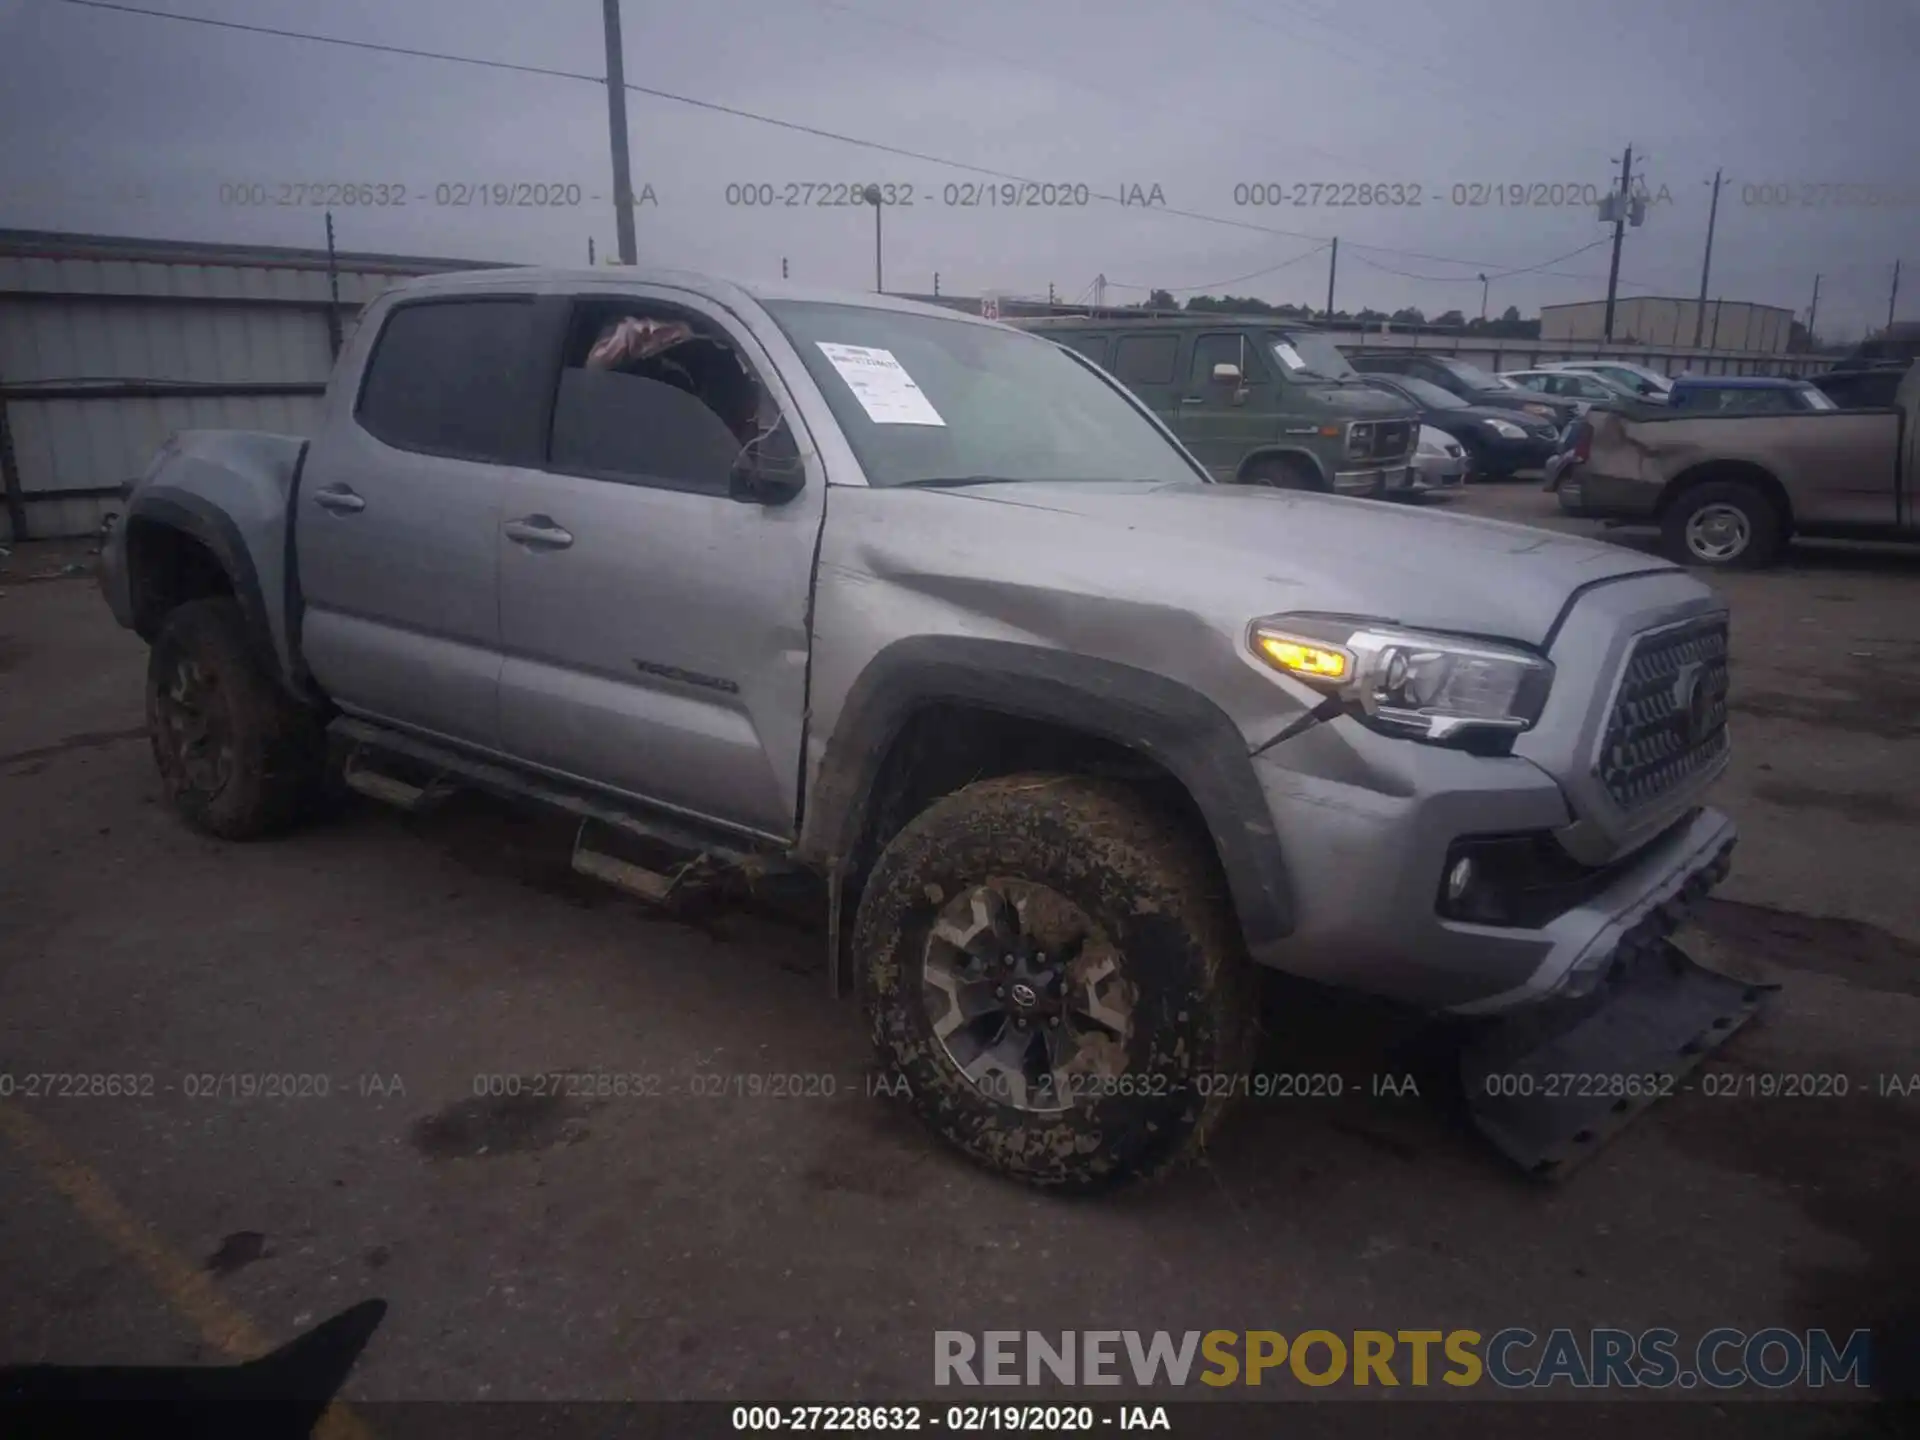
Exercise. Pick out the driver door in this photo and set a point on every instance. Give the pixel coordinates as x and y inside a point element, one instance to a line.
<point>654,628</point>
<point>1221,420</point>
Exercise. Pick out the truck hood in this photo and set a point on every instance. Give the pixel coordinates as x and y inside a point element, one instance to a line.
<point>1243,548</point>
<point>1361,400</point>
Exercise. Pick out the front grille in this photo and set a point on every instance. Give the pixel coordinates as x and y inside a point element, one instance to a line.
<point>1669,717</point>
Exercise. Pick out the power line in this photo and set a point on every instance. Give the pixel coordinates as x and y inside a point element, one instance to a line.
<point>720,109</point>
<point>1235,280</point>
<point>348,44</point>
<point>1541,268</point>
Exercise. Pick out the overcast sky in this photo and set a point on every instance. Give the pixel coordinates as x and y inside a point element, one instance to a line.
<point>1198,100</point>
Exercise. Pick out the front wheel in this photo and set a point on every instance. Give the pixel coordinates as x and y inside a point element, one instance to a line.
<point>1723,524</point>
<point>1283,472</point>
<point>238,756</point>
<point>1051,969</point>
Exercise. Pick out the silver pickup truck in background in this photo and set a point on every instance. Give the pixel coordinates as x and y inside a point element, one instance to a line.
<point>1733,490</point>
<point>752,579</point>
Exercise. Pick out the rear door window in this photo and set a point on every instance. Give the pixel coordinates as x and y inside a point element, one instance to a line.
<point>1146,359</point>
<point>455,378</point>
<point>1094,347</point>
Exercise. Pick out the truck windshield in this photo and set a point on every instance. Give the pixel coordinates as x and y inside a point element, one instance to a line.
<point>1312,356</point>
<point>925,400</point>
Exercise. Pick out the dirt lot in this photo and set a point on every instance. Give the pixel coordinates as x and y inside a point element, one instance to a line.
<point>726,1246</point>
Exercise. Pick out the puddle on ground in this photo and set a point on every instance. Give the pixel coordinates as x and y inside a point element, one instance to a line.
<point>1853,950</point>
<point>1869,807</point>
<point>487,1125</point>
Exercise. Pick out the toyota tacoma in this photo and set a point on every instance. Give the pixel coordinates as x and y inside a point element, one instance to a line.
<point>751,579</point>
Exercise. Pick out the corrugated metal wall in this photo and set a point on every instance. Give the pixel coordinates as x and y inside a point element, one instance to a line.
<point>108,345</point>
<point>1743,327</point>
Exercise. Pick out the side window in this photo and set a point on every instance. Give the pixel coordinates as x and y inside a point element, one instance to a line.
<point>1223,349</point>
<point>454,377</point>
<point>652,397</point>
<point>1146,359</point>
<point>1094,347</point>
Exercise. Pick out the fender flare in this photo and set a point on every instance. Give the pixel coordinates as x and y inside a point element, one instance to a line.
<point>214,529</point>
<point>1178,728</point>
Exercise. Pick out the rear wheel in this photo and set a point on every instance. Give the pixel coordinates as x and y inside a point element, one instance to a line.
<point>238,756</point>
<point>1050,968</point>
<point>1723,524</point>
<point>1283,472</point>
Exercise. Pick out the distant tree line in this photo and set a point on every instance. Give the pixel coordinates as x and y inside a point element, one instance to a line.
<point>1509,326</point>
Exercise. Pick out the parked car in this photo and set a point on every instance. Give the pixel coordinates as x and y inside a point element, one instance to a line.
<point>1869,387</point>
<point>1732,488</point>
<point>1583,389</point>
<point>1258,401</point>
<point>1018,695</point>
<point>1641,380</point>
<point>1745,395</point>
<point>1498,442</point>
<point>1465,382</point>
<point>1439,462</point>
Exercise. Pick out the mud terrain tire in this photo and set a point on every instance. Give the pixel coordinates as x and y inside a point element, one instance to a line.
<point>1166,943</point>
<point>239,757</point>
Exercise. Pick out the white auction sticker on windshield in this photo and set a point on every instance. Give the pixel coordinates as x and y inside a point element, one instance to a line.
<point>1289,356</point>
<point>881,384</point>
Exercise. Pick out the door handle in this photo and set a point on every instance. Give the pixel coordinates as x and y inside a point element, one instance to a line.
<point>340,499</point>
<point>537,532</point>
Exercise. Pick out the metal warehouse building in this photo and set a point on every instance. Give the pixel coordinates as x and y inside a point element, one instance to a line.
<point>1660,320</point>
<point>109,344</point>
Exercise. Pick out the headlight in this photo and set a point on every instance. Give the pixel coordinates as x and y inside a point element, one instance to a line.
<point>1545,410</point>
<point>1506,429</point>
<point>1407,682</point>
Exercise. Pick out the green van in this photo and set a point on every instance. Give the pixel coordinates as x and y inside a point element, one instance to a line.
<point>1257,401</point>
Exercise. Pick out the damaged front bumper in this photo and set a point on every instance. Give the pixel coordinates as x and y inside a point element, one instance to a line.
<point>1550,1085</point>
<point>1366,863</point>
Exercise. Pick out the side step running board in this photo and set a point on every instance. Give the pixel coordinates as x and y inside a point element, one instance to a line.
<point>637,880</point>
<point>360,774</point>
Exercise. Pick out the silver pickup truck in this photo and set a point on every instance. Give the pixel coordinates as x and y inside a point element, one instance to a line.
<point>753,578</point>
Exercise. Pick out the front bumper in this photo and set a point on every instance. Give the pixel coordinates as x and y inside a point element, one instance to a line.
<point>1365,862</point>
<point>1436,472</point>
<point>1376,479</point>
<point>1504,456</point>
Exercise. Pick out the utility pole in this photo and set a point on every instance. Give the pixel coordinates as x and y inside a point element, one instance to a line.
<point>783,267</point>
<point>617,131</point>
<point>1895,295</point>
<point>1813,310</point>
<point>333,292</point>
<point>1706,263</point>
<point>872,196</point>
<point>1483,299</point>
<point>1333,266</point>
<point>1049,294</point>
<point>936,284</point>
<point>1619,234</point>
<point>590,259</point>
